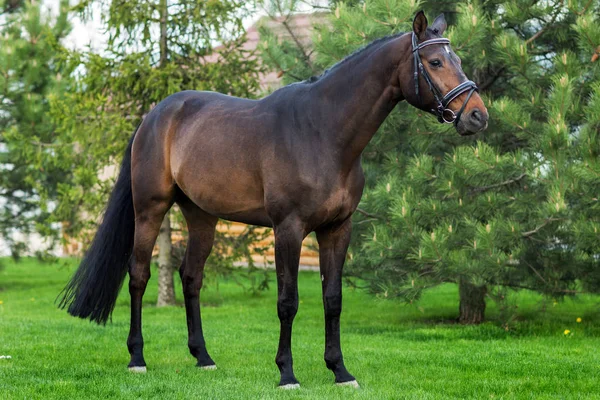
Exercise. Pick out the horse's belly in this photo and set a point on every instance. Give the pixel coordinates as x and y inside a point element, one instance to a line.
<point>231,195</point>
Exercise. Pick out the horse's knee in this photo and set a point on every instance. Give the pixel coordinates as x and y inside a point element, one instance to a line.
<point>333,305</point>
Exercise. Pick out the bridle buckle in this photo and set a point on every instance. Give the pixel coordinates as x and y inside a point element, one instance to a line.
<point>447,116</point>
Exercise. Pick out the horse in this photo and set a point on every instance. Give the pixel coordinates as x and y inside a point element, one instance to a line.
<point>290,161</point>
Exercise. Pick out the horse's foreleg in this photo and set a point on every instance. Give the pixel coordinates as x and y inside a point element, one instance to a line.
<point>288,244</point>
<point>147,225</point>
<point>201,228</point>
<point>333,245</point>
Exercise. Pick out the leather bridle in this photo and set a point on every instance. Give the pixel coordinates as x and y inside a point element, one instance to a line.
<point>443,113</point>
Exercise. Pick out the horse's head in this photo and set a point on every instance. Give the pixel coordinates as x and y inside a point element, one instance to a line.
<point>437,82</point>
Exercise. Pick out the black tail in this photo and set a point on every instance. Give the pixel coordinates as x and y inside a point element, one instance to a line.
<point>93,290</point>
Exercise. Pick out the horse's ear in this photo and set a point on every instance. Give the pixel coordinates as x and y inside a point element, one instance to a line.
<point>420,25</point>
<point>439,25</point>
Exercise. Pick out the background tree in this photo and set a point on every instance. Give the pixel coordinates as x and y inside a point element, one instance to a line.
<point>154,49</point>
<point>501,210</point>
<point>30,72</point>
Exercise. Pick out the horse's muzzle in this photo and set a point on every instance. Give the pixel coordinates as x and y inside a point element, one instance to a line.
<point>473,122</point>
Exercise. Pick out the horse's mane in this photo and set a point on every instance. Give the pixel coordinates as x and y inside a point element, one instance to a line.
<point>354,55</point>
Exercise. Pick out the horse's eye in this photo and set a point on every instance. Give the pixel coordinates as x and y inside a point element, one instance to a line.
<point>435,63</point>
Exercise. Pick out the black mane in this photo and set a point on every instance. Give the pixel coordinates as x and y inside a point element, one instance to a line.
<point>353,55</point>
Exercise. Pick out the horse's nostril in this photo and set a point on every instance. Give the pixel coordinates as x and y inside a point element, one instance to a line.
<point>477,116</point>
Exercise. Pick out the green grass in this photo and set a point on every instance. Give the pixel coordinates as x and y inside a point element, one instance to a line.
<point>395,351</point>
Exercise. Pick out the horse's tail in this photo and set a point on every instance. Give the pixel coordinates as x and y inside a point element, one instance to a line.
<point>93,290</point>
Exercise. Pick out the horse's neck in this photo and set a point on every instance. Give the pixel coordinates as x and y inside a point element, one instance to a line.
<point>354,99</point>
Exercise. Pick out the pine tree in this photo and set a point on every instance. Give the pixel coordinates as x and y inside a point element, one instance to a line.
<point>31,70</point>
<point>585,169</point>
<point>514,207</point>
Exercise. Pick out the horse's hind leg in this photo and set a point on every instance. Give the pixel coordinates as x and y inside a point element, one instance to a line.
<point>152,198</point>
<point>147,225</point>
<point>201,227</point>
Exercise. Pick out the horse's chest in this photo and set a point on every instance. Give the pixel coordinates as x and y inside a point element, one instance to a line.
<point>336,202</point>
<point>317,195</point>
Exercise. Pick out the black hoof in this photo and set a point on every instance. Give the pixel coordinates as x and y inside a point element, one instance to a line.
<point>342,375</point>
<point>344,378</point>
<point>204,360</point>
<point>136,363</point>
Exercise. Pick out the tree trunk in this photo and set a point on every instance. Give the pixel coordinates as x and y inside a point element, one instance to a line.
<point>166,289</point>
<point>164,50</point>
<point>472,303</point>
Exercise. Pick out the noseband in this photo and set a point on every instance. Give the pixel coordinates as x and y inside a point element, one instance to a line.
<point>444,114</point>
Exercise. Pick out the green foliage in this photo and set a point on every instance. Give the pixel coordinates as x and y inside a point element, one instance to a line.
<point>137,72</point>
<point>516,206</point>
<point>31,71</point>
<point>155,48</point>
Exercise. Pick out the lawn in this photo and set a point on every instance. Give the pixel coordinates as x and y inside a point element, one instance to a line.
<point>394,350</point>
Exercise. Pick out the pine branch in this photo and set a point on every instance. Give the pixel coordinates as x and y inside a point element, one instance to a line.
<point>497,185</point>
<point>364,221</point>
<point>280,67</point>
<point>560,291</point>
<point>316,6</point>
<point>536,230</point>
<point>589,3</point>
<point>536,272</point>
<point>288,28</point>
<point>367,214</point>
<point>490,81</point>
<point>543,29</point>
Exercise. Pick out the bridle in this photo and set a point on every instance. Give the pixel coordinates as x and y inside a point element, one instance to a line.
<point>443,113</point>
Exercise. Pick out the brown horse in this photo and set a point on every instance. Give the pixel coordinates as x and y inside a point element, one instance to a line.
<point>291,161</point>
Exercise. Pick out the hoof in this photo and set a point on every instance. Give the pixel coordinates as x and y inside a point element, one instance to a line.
<point>353,384</point>
<point>208,367</point>
<point>137,370</point>
<point>290,386</point>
